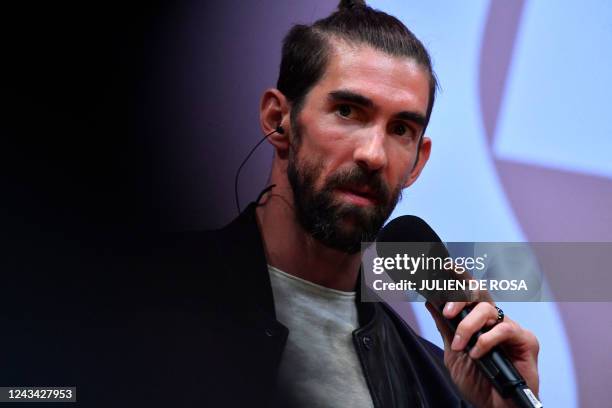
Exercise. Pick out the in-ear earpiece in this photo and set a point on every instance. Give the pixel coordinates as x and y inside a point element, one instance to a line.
<point>280,130</point>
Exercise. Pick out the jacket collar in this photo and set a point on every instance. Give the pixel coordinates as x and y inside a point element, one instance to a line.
<point>243,251</point>
<point>241,247</point>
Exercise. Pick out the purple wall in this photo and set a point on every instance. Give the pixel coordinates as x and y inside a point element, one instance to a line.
<point>218,58</point>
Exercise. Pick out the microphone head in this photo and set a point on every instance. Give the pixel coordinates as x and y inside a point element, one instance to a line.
<point>407,228</point>
<point>395,236</point>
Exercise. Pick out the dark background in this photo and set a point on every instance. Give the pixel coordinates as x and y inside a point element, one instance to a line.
<point>136,115</point>
<point>83,126</point>
<point>122,122</point>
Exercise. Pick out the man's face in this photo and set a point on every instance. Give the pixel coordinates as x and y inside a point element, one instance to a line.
<point>355,143</point>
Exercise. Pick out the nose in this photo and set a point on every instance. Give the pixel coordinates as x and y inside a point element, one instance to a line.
<point>370,154</point>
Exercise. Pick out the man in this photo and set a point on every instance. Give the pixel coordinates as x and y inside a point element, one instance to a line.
<point>354,96</point>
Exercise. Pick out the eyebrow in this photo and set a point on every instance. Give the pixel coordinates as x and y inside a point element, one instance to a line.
<point>412,117</point>
<point>350,96</point>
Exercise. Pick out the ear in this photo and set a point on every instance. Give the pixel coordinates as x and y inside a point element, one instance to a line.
<point>424,151</point>
<point>274,112</point>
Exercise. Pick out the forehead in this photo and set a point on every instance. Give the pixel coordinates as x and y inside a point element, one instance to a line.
<point>377,75</point>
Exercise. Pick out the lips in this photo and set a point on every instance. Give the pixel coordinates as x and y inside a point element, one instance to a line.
<point>362,196</point>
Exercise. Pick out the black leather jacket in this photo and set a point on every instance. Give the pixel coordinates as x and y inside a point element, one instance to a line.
<point>401,369</point>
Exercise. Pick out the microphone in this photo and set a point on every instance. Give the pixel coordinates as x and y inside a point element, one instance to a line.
<point>495,364</point>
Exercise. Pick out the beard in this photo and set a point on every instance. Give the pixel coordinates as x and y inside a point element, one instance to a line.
<point>336,224</point>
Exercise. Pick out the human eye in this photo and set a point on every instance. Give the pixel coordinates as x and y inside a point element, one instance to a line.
<point>400,129</point>
<point>403,130</point>
<point>344,110</point>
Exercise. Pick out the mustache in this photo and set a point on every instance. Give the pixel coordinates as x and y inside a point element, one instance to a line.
<point>359,178</point>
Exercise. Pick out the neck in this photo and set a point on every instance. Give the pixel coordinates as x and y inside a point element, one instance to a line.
<point>291,249</point>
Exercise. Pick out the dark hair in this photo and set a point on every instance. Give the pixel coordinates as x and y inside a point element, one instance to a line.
<point>306,49</point>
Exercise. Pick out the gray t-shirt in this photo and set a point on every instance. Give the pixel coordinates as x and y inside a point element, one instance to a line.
<point>319,366</point>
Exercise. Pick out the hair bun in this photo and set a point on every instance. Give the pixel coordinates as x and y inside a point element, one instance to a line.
<point>351,4</point>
